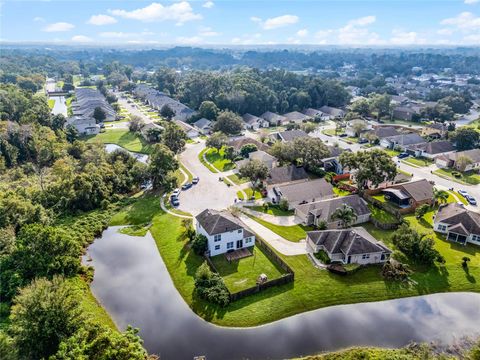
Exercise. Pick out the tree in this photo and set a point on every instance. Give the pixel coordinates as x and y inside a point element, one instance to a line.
<point>466,138</point>
<point>43,315</point>
<point>229,153</point>
<point>465,261</point>
<point>247,149</point>
<point>380,104</point>
<point>166,112</point>
<point>217,140</point>
<point>373,166</point>
<point>359,127</point>
<point>462,162</point>
<point>199,244</point>
<point>210,286</point>
<point>99,114</point>
<point>458,104</point>
<point>308,127</point>
<point>345,214</point>
<point>136,123</point>
<point>440,196</point>
<point>58,122</point>
<point>361,107</point>
<point>208,110</point>
<point>174,137</point>
<point>255,171</point>
<point>228,122</point>
<point>71,133</point>
<point>439,113</point>
<point>162,165</point>
<point>421,211</point>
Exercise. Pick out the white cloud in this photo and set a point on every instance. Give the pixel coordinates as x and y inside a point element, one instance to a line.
<point>276,22</point>
<point>38,19</point>
<point>81,39</point>
<point>465,21</point>
<point>123,35</point>
<point>101,20</point>
<point>193,40</point>
<point>471,2</point>
<point>208,4</point>
<point>248,39</point>
<point>355,32</point>
<point>302,33</point>
<point>363,21</point>
<point>473,39</point>
<point>58,27</point>
<point>208,32</point>
<point>445,31</point>
<point>406,38</point>
<point>180,12</point>
<point>256,19</point>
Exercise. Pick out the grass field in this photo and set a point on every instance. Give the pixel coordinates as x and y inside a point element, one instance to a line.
<point>51,103</point>
<point>249,192</point>
<point>216,159</point>
<point>391,152</point>
<point>312,288</point>
<point>242,274</point>
<point>293,233</point>
<point>340,192</point>
<point>205,163</point>
<point>381,215</point>
<point>418,161</point>
<point>272,210</point>
<point>467,178</point>
<point>124,138</point>
<point>237,180</point>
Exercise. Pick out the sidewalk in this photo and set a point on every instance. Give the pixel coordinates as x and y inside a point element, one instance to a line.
<point>277,220</point>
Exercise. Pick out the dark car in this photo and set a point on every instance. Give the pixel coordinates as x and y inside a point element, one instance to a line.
<point>362,141</point>
<point>343,135</point>
<point>195,180</point>
<point>471,200</point>
<point>403,155</point>
<point>175,202</point>
<point>186,186</point>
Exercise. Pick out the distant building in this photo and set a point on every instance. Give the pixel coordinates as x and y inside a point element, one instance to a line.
<point>410,195</point>
<point>300,193</point>
<point>273,118</point>
<point>458,224</point>
<point>84,126</point>
<point>431,149</point>
<point>334,113</point>
<point>253,122</point>
<point>191,131</point>
<point>401,141</point>
<point>296,117</point>
<point>286,174</point>
<point>203,125</point>
<point>289,135</point>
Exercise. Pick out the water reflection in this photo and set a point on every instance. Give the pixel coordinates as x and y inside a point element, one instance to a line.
<point>132,282</point>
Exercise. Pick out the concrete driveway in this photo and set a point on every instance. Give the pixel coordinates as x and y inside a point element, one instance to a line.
<point>209,193</point>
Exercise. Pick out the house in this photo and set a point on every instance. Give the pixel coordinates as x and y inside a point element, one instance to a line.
<point>352,125</point>
<point>321,211</point>
<point>382,132</point>
<point>149,129</point>
<point>334,113</point>
<point>289,135</point>
<point>253,122</point>
<point>410,195</point>
<point>191,132</point>
<point>203,125</point>
<point>406,112</point>
<point>459,224</point>
<point>267,159</point>
<point>331,163</point>
<point>286,174</point>
<point>87,100</point>
<point>349,246</point>
<point>84,125</point>
<point>296,117</point>
<point>399,100</point>
<point>450,160</point>
<point>240,142</point>
<point>273,118</point>
<point>316,114</point>
<point>431,149</point>
<point>224,232</point>
<point>300,192</point>
<point>401,141</point>
<point>435,130</point>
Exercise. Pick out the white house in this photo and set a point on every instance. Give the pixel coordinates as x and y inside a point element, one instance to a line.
<point>191,131</point>
<point>458,224</point>
<point>349,246</point>
<point>253,122</point>
<point>225,233</point>
<point>84,125</point>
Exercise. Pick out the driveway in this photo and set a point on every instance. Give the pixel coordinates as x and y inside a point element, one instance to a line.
<point>132,108</point>
<point>209,193</point>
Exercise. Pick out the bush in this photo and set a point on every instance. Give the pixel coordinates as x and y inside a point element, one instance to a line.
<point>323,257</point>
<point>283,204</point>
<point>395,270</point>
<point>456,174</point>
<point>322,225</point>
<point>210,286</point>
<point>199,244</point>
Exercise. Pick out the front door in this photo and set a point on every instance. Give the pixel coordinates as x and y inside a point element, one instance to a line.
<point>239,244</point>
<point>349,259</point>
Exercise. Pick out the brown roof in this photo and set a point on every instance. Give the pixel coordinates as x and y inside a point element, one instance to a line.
<point>218,222</point>
<point>473,154</point>
<point>418,190</point>
<point>305,191</point>
<point>455,214</point>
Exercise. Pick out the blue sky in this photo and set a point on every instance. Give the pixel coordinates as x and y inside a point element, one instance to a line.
<point>232,22</point>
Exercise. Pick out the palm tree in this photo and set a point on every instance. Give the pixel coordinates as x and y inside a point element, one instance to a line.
<point>345,214</point>
<point>440,196</point>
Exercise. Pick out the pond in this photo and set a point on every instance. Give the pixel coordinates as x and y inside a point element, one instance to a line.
<point>133,284</point>
<point>140,157</point>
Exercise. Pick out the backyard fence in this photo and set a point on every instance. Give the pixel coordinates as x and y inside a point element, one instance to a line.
<point>285,279</point>
<point>388,208</point>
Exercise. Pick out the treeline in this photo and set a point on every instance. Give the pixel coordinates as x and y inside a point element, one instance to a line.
<point>50,183</point>
<point>251,90</point>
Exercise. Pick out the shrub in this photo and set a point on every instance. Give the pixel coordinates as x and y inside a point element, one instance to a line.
<point>210,286</point>
<point>199,244</point>
<point>395,270</point>
<point>323,257</point>
<point>283,204</point>
<point>322,225</point>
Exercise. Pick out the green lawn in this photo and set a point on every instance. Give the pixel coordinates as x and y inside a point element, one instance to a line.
<point>468,178</point>
<point>381,215</point>
<point>216,159</point>
<point>458,196</point>
<point>249,192</point>
<point>205,163</point>
<point>272,210</point>
<point>293,233</point>
<point>51,103</point>
<point>189,174</point>
<point>380,197</point>
<point>421,161</point>
<point>340,192</point>
<point>124,138</point>
<point>312,287</point>
<point>391,152</point>
<point>331,132</point>
<point>237,180</point>
<point>242,274</point>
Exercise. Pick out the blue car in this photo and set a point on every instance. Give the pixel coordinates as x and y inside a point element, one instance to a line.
<point>186,186</point>
<point>471,200</point>
<point>403,155</point>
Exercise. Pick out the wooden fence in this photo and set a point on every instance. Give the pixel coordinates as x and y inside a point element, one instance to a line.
<point>386,207</point>
<point>284,279</point>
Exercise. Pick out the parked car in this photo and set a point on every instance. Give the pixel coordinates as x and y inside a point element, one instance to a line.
<point>403,155</point>
<point>175,202</point>
<point>342,135</point>
<point>176,192</point>
<point>471,200</point>
<point>362,141</point>
<point>186,186</point>
<point>195,180</point>
<point>463,193</point>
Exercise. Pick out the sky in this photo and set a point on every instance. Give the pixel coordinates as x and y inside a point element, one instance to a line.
<point>242,22</point>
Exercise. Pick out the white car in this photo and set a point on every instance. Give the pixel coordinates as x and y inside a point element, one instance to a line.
<point>463,193</point>
<point>176,192</point>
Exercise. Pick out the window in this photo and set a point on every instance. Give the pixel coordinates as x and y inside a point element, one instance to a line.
<point>217,238</point>
<point>230,245</point>
<point>365,256</point>
<point>442,227</point>
<point>475,237</point>
<point>248,240</point>
<point>239,231</point>
<point>217,247</point>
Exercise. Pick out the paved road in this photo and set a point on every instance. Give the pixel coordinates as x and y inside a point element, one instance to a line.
<point>131,108</point>
<point>209,193</point>
<point>60,106</point>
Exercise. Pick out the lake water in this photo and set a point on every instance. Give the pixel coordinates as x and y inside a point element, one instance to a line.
<point>132,283</point>
<point>140,157</point>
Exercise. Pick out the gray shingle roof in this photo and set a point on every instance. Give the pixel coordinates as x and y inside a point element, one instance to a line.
<point>419,190</point>
<point>202,123</point>
<point>218,222</point>
<point>272,118</point>
<point>455,214</point>
<point>473,154</point>
<point>325,208</point>
<point>284,174</point>
<point>296,116</point>
<point>406,139</point>
<point>434,147</point>
<point>385,131</point>
<point>291,135</point>
<point>305,191</point>
<point>240,142</point>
